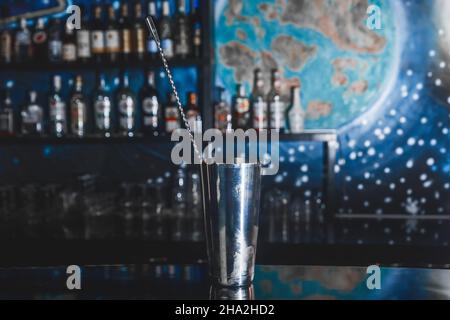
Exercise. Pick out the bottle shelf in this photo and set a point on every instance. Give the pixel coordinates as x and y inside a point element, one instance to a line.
<point>97,66</point>
<point>313,135</point>
<point>308,135</point>
<point>50,140</point>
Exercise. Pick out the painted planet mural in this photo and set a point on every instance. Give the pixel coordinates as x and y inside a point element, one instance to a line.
<point>323,46</point>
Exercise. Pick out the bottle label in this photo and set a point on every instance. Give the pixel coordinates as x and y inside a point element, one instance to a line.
<point>98,42</point>
<point>57,110</point>
<point>5,46</point>
<point>78,114</point>
<point>221,117</point>
<point>151,46</point>
<point>32,116</point>
<point>58,116</point>
<point>126,41</point>
<point>260,115</point>
<point>197,40</point>
<point>140,40</point>
<point>112,41</point>
<point>277,109</point>
<point>182,47</point>
<point>84,44</point>
<point>55,47</point>
<point>150,106</point>
<point>197,34</point>
<point>102,114</point>
<point>167,46</point>
<point>242,106</point>
<point>194,121</point>
<point>126,110</point>
<point>69,52</point>
<point>23,38</point>
<point>39,37</point>
<point>172,119</point>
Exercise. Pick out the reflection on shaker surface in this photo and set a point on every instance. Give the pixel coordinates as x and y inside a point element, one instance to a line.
<point>231,194</point>
<point>227,293</point>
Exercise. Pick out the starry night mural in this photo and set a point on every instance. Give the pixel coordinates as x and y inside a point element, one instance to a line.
<point>386,92</point>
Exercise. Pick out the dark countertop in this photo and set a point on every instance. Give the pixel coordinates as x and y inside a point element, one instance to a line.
<point>191,282</point>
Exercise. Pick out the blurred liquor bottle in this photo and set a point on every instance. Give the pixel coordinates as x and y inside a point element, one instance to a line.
<point>241,109</point>
<point>6,39</point>
<point>126,106</point>
<point>32,116</point>
<point>196,25</point>
<point>57,109</point>
<point>152,49</point>
<point>103,109</point>
<point>98,42</point>
<point>112,35</point>
<point>78,109</point>
<point>259,102</point>
<point>55,44</point>
<point>84,38</point>
<point>151,107</point>
<point>7,125</point>
<point>22,43</point>
<point>139,33</point>
<point>182,32</point>
<point>125,27</point>
<point>166,31</point>
<point>40,41</point>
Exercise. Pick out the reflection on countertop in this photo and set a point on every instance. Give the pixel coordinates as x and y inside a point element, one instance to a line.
<point>153,281</point>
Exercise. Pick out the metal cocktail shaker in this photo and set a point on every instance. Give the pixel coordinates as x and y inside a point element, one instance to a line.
<point>231,200</point>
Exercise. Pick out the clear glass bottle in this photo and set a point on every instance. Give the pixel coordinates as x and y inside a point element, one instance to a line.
<point>22,44</point>
<point>151,107</point>
<point>126,105</point>
<point>78,110</point>
<point>32,116</point>
<point>103,109</point>
<point>295,115</point>
<point>57,109</point>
